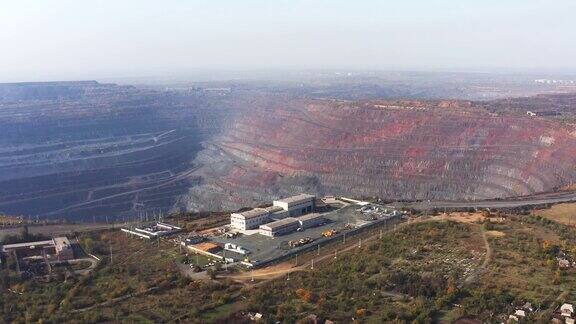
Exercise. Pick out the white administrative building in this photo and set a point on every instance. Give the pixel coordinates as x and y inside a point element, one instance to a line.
<point>280,209</point>
<point>249,219</point>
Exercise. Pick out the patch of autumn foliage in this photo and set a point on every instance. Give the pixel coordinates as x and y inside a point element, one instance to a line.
<point>306,295</point>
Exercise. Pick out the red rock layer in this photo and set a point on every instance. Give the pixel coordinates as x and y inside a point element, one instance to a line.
<point>398,150</point>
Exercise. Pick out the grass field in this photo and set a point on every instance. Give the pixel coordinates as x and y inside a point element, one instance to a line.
<point>561,213</point>
<point>522,269</point>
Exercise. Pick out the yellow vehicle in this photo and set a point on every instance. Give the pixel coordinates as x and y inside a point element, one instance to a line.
<point>329,233</point>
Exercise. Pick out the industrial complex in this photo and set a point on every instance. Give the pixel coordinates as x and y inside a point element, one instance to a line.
<point>40,259</point>
<point>263,235</point>
<point>57,249</point>
<point>153,231</point>
<point>280,209</point>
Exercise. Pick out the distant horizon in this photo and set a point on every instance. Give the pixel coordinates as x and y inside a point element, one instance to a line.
<point>222,74</point>
<point>66,40</point>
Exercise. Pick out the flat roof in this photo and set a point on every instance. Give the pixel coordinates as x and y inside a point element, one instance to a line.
<point>253,213</point>
<point>310,216</point>
<point>27,244</point>
<point>170,226</point>
<point>273,209</point>
<point>297,198</point>
<point>61,242</point>
<point>279,223</point>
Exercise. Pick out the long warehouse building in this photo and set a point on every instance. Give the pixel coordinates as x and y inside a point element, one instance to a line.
<point>280,227</point>
<point>310,220</point>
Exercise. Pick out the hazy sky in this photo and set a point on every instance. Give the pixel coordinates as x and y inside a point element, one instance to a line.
<point>68,39</point>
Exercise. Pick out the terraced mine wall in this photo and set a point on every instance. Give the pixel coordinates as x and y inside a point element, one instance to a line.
<point>391,149</point>
<point>91,151</point>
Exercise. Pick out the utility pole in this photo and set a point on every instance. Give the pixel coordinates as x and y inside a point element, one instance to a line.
<point>17,263</point>
<point>380,233</point>
<point>344,237</point>
<point>252,274</point>
<point>359,243</point>
<point>111,259</point>
<point>335,253</point>
<point>318,249</point>
<point>47,262</point>
<point>312,264</point>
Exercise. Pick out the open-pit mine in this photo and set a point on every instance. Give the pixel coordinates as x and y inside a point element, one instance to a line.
<point>88,150</point>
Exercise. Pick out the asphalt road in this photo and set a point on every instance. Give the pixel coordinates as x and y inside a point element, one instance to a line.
<point>57,229</point>
<point>539,199</point>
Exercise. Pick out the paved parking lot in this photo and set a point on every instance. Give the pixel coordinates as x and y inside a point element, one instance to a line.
<point>265,248</point>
